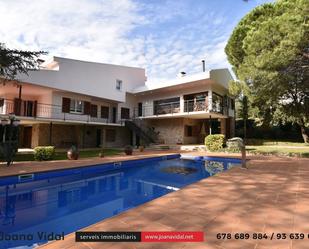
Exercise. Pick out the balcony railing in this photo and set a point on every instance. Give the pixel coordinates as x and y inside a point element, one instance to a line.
<point>31,109</point>
<point>166,108</point>
<point>195,106</point>
<point>189,106</point>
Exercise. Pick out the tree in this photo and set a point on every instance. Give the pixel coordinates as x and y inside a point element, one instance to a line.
<point>14,61</point>
<point>269,52</point>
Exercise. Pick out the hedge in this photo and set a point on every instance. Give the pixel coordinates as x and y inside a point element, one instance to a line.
<point>44,153</point>
<point>214,142</point>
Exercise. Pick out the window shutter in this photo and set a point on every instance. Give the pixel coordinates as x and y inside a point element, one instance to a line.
<point>66,105</point>
<point>104,111</point>
<point>87,108</point>
<point>125,113</point>
<point>94,111</point>
<point>17,106</point>
<point>35,108</point>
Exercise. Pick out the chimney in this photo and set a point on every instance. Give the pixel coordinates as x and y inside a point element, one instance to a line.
<point>203,63</point>
<point>182,74</point>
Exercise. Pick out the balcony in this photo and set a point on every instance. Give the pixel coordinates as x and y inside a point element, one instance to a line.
<point>47,112</point>
<point>181,108</point>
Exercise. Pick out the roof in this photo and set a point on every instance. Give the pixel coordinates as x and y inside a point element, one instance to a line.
<point>220,76</point>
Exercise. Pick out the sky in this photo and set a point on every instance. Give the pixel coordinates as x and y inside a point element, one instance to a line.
<point>163,36</point>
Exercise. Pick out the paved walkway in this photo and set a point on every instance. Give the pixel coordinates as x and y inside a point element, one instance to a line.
<point>272,196</point>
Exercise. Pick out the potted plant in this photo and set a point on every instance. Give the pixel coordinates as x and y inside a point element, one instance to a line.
<point>73,153</point>
<point>128,150</point>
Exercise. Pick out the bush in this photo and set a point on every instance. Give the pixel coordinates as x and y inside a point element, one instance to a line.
<point>214,142</point>
<point>44,153</point>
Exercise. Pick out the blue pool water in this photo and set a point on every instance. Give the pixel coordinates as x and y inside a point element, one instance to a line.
<point>64,201</point>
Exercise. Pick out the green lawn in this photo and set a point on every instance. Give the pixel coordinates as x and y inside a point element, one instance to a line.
<point>284,150</point>
<point>62,155</point>
<point>274,142</point>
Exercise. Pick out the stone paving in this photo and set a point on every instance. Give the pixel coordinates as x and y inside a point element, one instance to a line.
<point>272,196</point>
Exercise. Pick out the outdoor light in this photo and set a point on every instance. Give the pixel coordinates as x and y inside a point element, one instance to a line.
<point>5,122</point>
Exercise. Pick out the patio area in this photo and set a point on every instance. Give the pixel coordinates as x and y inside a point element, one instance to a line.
<point>272,196</point>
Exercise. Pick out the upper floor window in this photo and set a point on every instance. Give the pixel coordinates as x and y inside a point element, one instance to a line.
<point>166,106</point>
<point>217,102</point>
<point>76,106</point>
<point>119,85</point>
<point>125,113</point>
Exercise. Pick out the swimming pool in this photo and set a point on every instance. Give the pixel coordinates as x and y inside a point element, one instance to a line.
<point>60,202</point>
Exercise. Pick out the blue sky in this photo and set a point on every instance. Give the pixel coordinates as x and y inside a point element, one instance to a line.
<point>163,36</point>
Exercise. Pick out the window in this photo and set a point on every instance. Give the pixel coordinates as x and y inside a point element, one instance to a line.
<point>104,112</point>
<point>217,103</point>
<point>119,84</point>
<point>110,135</point>
<point>125,113</point>
<point>76,106</point>
<point>232,104</point>
<point>94,111</point>
<point>166,106</point>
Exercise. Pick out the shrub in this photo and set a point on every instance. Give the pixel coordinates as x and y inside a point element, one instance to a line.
<point>214,142</point>
<point>44,153</point>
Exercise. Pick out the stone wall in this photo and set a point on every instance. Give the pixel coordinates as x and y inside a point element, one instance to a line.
<point>171,131</point>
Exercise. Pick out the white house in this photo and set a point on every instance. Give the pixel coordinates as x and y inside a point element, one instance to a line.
<point>93,104</point>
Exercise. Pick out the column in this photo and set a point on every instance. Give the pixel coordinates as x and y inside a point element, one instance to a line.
<point>223,126</point>
<point>210,100</point>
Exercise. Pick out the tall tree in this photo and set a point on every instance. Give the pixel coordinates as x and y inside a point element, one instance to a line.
<point>269,51</point>
<point>13,61</point>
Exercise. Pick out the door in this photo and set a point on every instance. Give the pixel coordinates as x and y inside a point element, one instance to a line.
<point>140,109</point>
<point>114,115</point>
<point>27,136</point>
<point>98,139</point>
<point>29,108</point>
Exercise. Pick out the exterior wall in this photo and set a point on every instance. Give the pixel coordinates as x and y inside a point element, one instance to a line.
<point>94,79</point>
<point>57,101</point>
<point>192,139</point>
<point>171,131</point>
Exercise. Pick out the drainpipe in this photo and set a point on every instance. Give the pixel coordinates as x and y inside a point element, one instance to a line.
<point>50,132</point>
<point>19,94</point>
<point>210,130</point>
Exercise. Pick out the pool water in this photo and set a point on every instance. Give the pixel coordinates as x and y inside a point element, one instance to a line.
<point>61,202</point>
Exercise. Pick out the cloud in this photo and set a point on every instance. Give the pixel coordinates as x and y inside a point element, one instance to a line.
<point>92,30</point>
<point>163,36</point>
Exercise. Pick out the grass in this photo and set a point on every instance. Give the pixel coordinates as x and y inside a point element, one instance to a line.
<point>274,142</point>
<point>62,155</point>
<point>280,150</point>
